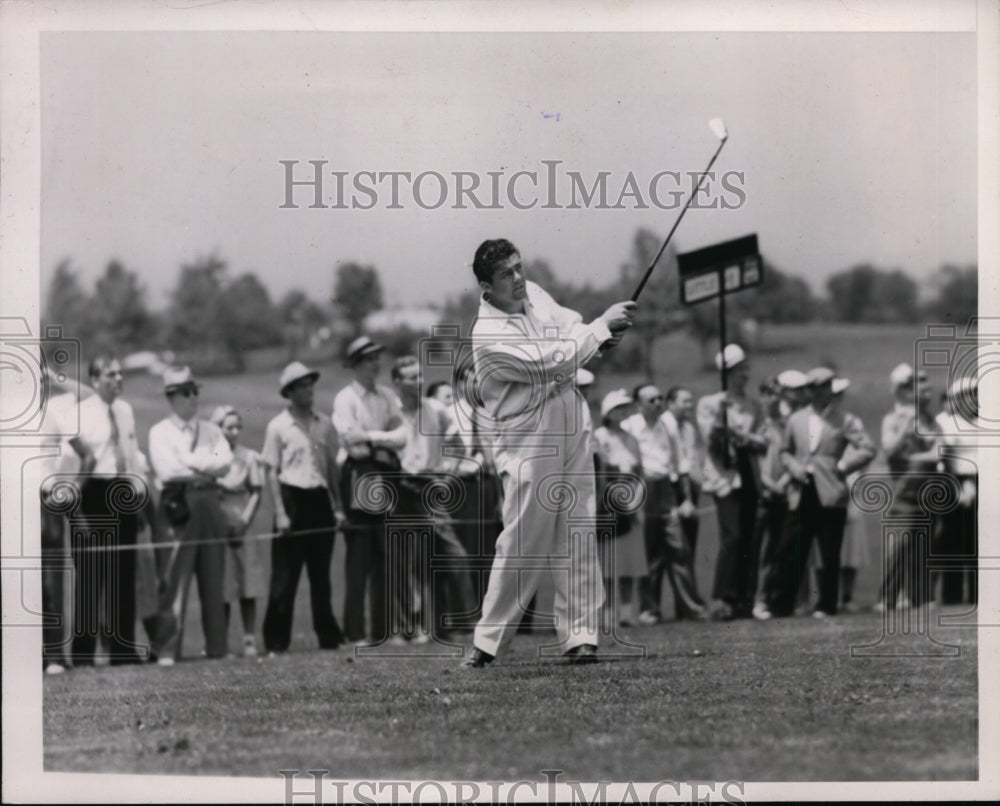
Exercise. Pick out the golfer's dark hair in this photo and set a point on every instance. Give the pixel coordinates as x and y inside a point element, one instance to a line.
<point>673,391</point>
<point>432,388</point>
<point>403,361</point>
<point>100,363</point>
<point>640,387</point>
<point>489,255</point>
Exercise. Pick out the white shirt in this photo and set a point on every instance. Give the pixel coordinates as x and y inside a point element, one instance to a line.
<point>690,447</point>
<point>522,359</point>
<point>426,429</point>
<point>659,452</point>
<point>59,425</point>
<point>171,454</point>
<point>95,433</point>
<point>362,416</point>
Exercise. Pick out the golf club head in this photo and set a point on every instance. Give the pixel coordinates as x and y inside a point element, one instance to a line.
<point>718,128</point>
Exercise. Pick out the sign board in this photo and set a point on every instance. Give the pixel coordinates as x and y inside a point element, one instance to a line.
<point>725,267</point>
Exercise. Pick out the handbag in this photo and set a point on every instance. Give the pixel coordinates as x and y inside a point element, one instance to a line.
<point>175,505</point>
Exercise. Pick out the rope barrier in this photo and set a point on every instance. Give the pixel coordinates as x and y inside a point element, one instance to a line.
<point>266,536</point>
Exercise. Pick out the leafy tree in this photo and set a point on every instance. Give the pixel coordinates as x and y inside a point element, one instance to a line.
<point>193,316</point>
<point>300,316</point>
<point>660,311</point>
<point>357,292</point>
<point>247,318</point>
<point>67,305</point>
<point>867,294</point>
<point>122,322</point>
<point>958,296</point>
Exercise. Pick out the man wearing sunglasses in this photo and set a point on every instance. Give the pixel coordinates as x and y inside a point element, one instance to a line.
<point>187,455</point>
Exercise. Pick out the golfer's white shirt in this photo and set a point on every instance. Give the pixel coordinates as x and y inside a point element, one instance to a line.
<point>522,359</point>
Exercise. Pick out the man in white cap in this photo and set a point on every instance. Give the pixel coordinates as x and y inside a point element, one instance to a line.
<point>909,440</point>
<point>368,420</point>
<point>527,349</point>
<point>300,451</point>
<point>730,422</point>
<point>187,455</point>
<point>816,456</point>
<point>958,534</point>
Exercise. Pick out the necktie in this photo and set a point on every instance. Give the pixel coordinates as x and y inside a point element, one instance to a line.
<point>116,442</point>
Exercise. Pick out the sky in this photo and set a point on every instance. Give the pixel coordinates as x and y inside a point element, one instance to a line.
<point>162,147</point>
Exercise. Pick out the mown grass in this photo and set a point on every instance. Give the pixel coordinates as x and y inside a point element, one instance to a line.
<point>776,701</point>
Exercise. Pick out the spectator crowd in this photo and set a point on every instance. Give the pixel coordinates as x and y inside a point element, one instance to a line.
<point>405,473</point>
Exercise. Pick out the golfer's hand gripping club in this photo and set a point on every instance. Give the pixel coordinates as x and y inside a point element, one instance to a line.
<point>619,318</point>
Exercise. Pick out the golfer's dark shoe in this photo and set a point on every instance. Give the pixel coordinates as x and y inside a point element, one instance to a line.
<point>585,653</point>
<point>477,660</point>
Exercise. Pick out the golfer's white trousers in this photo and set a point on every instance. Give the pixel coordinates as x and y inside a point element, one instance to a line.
<point>546,464</point>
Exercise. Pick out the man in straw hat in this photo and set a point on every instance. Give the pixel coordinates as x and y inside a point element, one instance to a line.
<point>823,446</point>
<point>367,418</point>
<point>187,455</point>
<point>527,349</point>
<point>300,451</point>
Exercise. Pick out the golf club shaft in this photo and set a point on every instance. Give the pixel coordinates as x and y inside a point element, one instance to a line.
<point>649,271</point>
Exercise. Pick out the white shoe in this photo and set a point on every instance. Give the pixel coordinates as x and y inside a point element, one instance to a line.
<point>165,661</point>
<point>878,607</point>
<point>55,668</point>
<point>760,612</point>
<point>820,614</point>
<point>397,640</point>
<point>648,618</point>
<point>422,638</point>
<point>249,647</point>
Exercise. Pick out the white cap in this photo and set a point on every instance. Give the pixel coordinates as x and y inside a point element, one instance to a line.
<point>838,385</point>
<point>584,377</point>
<point>733,354</point>
<point>612,400</point>
<point>792,379</point>
<point>903,375</point>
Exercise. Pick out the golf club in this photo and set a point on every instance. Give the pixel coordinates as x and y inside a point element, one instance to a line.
<point>719,129</point>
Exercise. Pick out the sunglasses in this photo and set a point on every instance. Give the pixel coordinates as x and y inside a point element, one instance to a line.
<point>655,399</point>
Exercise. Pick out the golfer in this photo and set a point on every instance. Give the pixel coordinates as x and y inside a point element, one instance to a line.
<point>526,350</point>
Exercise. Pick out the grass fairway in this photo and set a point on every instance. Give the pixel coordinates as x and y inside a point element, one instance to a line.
<point>780,701</point>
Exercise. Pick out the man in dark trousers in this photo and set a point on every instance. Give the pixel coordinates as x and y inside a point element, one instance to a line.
<point>816,457</point>
<point>300,449</point>
<point>367,418</point>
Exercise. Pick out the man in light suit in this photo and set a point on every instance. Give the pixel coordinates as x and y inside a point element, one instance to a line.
<point>823,445</point>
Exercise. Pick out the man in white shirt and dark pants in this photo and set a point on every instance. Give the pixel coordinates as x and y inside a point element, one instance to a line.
<point>366,416</point>
<point>300,450</point>
<point>111,495</point>
<point>187,455</point>
<point>527,349</point>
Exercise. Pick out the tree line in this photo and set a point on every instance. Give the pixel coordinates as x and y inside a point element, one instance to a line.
<point>218,316</point>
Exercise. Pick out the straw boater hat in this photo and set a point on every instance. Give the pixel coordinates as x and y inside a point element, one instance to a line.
<point>733,355</point>
<point>360,348</point>
<point>792,379</point>
<point>177,378</point>
<point>613,400</point>
<point>820,376</point>
<point>296,371</point>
